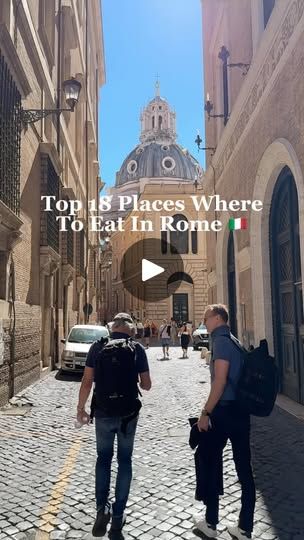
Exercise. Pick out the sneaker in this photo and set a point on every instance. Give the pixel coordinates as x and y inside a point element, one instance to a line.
<point>205,528</point>
<point>238,533</point>
<point>118,522</point>
<point>102,520</point>
<point>116,535</point>
<point>115,532</point>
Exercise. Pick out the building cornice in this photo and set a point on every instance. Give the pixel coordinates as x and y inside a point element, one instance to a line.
<point>50,150</point>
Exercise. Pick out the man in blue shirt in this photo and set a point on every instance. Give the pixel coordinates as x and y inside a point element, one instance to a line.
<point>106,429</point>
<point>224,420</point>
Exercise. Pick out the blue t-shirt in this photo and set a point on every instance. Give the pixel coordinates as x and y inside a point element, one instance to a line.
<point>140,358</point>
<point>224,349</point>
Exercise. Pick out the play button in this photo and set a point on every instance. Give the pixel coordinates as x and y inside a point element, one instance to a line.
<point>150,270</point>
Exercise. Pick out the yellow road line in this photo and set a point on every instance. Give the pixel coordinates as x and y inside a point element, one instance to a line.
<point>42,535</point>
<point>49,512</point>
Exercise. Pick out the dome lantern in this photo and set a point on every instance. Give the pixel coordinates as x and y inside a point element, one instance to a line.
<point>158,121</point>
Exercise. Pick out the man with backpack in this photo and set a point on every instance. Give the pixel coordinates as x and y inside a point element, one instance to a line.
<point>224,419</point>
<point>116,366</point>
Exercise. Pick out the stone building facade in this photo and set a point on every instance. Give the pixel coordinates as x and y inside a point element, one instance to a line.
<point>46,276</point>
<point>259,155</point>
<point>157,169</point>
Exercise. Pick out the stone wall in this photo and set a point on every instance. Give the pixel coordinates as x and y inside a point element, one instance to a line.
<point>26,349</point>
<point>269,107</point>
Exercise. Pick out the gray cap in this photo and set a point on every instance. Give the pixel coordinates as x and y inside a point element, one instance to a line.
<point>124,317</point>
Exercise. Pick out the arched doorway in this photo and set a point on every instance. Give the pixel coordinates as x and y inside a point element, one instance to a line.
<point>286,285</point>
<point>231,284</point>
<point>182,298</point>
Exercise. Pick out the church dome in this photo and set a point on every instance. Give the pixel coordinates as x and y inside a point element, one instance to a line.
<point>158,155</point>
<point>159,160</point>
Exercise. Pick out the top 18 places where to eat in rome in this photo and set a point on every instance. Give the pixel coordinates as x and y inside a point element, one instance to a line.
<point>133,203</point>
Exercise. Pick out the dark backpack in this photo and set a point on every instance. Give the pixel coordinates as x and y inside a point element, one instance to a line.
<point>116,378</point>
<point>258,385</point>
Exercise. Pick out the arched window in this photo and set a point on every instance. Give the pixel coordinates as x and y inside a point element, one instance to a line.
<point>194,241</point>
<point>180,276</point>
<point>164,242</point>
<point>179,240</point>
<point>153,122</point>
<point>160,122</point>
<point>268,6</point>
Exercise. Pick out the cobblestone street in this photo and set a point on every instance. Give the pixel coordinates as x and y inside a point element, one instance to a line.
<point>47,481</point>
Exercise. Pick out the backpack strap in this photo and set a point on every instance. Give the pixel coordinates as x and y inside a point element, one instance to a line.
<point>241,348</point>
<point>236,342</point>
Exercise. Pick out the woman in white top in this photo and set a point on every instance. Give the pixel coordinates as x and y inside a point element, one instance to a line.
<point>164,336</point>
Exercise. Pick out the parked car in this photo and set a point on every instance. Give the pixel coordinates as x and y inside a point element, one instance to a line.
<point>200,337</point>
<point>77,344</point>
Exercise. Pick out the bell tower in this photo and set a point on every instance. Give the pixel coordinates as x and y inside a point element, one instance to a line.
<point>158,121</point>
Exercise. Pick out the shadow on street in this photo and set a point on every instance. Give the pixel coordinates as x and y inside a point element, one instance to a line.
<point>278,461</point>
<point>68,376</point>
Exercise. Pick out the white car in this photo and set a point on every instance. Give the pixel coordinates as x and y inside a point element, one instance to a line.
<point>200,337</point>
<point>78,343</point>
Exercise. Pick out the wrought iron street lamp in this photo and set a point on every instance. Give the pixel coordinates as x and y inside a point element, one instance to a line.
<point>224,55</point>
<point>209,108</point>
<point>199,140</point>
<point>71,89</point>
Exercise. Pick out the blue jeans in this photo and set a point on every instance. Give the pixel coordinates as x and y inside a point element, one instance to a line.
<point>106,429</point>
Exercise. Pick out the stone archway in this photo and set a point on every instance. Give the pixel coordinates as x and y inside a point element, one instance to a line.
<point>278,155</point>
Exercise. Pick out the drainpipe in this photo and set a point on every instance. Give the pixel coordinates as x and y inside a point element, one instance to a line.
<point>12,329</point>
<point>86,272</point>
<point>97,254</point>
<point>58,103</point>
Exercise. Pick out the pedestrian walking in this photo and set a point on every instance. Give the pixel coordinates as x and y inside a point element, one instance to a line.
<point>140,329</point>
<point>164,336</point>
<point>174,330</point>
<point>147,333</point>
<point>185,337</point>
<point>116,367</point>
<point>134,320</point>
<point>190,327</point>
<point>228,421</point>
<point>153,329</point>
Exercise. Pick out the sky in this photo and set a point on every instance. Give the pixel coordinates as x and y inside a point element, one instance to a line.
<point>143,39</point>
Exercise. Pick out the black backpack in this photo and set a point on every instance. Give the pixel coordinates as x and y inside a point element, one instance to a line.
<point>116,378</point>
<point>258,385</point>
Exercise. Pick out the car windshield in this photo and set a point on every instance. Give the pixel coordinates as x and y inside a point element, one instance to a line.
<point>86,335</point>
<point>202,327</point>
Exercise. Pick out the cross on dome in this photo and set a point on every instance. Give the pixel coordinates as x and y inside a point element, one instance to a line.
<point>157,86</point>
